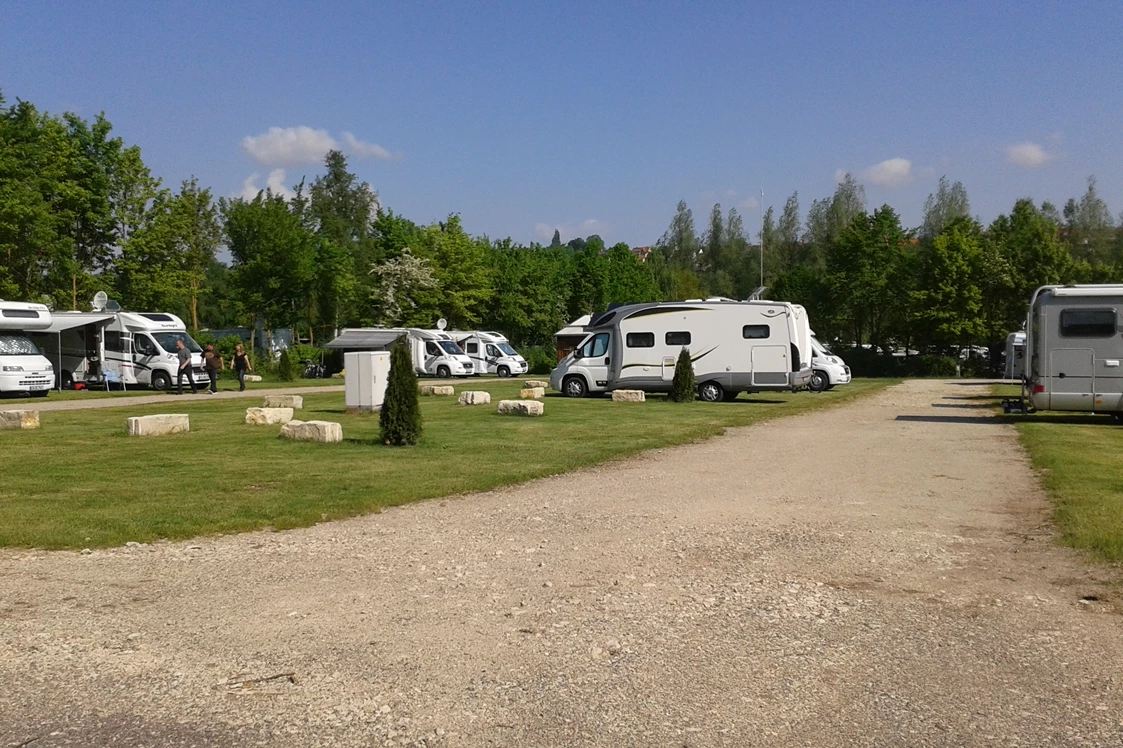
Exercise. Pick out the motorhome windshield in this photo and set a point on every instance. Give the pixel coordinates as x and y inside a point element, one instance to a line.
<point>17,344</point>
<point>508,349</point>
<point>818,346</point>
<point>166,340</point>
<point>451,348</point>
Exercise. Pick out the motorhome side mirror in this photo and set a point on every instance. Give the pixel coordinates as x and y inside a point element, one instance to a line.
<point>576,353</point>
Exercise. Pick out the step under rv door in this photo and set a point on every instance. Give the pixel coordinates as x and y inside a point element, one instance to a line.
<point>1072,379</point>
<point>770,365</point>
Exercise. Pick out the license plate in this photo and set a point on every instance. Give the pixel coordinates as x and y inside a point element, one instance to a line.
<point>39,387</point>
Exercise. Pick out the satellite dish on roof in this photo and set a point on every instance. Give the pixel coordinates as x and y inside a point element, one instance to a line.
<point>99,300</point>
<point>442,323</point>
<point>112,306</point>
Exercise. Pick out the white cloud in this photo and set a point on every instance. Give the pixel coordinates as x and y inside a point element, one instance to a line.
<point>275,182</point>
<point>1028,155</point>
<point>893,172</point>
<point>301,146</point>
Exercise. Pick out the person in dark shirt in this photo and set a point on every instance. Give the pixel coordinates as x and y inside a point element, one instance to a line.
<point>184,367</point>
<point>212,361</point>
<point>241,365</point>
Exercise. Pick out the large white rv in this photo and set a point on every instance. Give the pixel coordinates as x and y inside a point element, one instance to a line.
<point>434,353</point>
<point>736,346</point>
<point>131,349</point>
<point>23,368</point>
<point>1074,350</point>
<point>491,353</point>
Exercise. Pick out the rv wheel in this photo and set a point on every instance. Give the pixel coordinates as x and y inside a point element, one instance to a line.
<point>503,372</point>
<point>67,380</point>
<point>1117,419</point>
<point>574,387</point>
<point>711,392</point>
<point>820,382</point>
<point>161,381</point>
<point>443,372</point>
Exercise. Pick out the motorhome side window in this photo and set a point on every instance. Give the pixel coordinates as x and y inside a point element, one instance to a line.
<point>143,345</point>
<point>754,332</point>
<point>492,351</point>
<point>114,341</point>
<point>598,346</point>
<point>678,338</point>
<point>1087,323</point>
<point>473,347</point>
<point>640,340</point>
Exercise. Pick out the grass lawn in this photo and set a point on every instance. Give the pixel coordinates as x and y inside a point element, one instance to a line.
<point>79,481</point>
<point>229,382</point>
<point>1078,456</point>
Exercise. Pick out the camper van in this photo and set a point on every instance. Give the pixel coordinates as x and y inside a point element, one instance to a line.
<point>434,353</point>
<point>491,353</point>
<point>1015,356</point>
<point>1074,350</point>
<point>130,349</point>
<point>23,368</point>
<point>827,369</point>
<point>736,346</point>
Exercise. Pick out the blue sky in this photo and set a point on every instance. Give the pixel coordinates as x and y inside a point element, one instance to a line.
<point>596,117</point>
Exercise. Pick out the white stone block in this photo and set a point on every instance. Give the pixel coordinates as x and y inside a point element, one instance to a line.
<point>284,401</point>
<point>532,383</point>
<point>532,393</point>
<point>439,390</point>
<point>159,425</point>
<point>627,396</point>
<point>475,398</point>
<point>521,407</point>
<point>19,419</point>
<point>253,377</point>
<point>266,416</point>
<point>327,432</point>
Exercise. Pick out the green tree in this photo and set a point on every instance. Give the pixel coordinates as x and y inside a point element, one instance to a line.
<point>948,204</point>
<point>1090,227</point>
<point>400,288</point>
<point>626,279</point>
<point>460,264</point>
<point>950,302</point>
<point>400,417</point>
<point>679,244</point>
<point>682,386</point>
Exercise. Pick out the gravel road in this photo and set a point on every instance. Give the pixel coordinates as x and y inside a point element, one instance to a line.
<point>882,573</point>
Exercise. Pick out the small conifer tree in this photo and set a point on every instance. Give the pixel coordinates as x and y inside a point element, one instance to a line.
<point>682,386</point>
<point>286,367</point>
<point>400,418</point>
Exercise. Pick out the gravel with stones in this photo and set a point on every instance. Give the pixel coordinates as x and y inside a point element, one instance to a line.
<point>882,573</point>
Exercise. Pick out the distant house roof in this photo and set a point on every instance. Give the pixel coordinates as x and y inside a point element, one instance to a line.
<point>641,253</point>
<point>366,339</point>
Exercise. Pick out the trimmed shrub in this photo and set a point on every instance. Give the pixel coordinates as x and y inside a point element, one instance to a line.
<point>540,359</point>
<point>682,386</point>
<point>286,366</point>
<point>928,366</point>
<point>400,417</point>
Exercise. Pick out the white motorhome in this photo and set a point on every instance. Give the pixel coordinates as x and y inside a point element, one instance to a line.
<point>1015,356</point>
<point>1074,349</point>
<point>132,349</point>
<point>827,369</point>
<point>434,353</point>
<point>23,368</point>
<point>736,346</point>
<point>491,353</point>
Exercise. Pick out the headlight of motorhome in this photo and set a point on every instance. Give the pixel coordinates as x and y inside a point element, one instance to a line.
<point>50,367</point>
<point>13,368</point>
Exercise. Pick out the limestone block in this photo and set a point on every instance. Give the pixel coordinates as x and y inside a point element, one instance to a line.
<point>532,393</point>
<point>160,424</point>
<point>521,407</point>
<point>627,396</point>
<point>327,432</point>
<point>284,401</point>
<point>253,377</point>
<point>475,398</point>
<point>439,390</point>
<point>19,419</point>
<point>532,383</point>
<point>266,416</point>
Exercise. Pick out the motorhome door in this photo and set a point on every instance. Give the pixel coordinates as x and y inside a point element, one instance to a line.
<point>145,354</point>
<point>1072,378</point>
<point>770,364</point>
<point>595,359</point>
<point>669,368</point>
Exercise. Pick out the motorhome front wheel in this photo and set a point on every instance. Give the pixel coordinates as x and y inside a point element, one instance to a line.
<point>819,381</point>
<point>574,387</point>
<point>161,380</point>
<point>504,372</point>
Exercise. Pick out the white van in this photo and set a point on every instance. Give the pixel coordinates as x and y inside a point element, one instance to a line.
<point>491,353</point>
<point>827,369</point>
<point>735,346</point>
<point>23,368</point>
<point>1015,356</point>
<point>131,349</point>
<point>434,353</point>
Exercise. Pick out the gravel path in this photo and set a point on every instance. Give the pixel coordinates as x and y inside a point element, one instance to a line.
<point>876,574</point>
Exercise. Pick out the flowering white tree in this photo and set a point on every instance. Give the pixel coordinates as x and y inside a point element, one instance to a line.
<point>399,283</point>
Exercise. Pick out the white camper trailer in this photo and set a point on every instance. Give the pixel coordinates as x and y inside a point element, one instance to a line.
<point>736,346</point>
<point>23,368</point>
<point>827,369</point>
<point>131,349</point>
<point>491,353</point>
<point>1074,349</point>
<point>1015,356</point>
<point>434,353</point>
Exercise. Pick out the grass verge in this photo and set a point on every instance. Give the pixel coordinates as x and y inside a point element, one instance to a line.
<point>1077,456</point>
<point>79,481</point>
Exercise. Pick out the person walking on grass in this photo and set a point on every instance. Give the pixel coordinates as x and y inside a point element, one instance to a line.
<point>184,367</point>
<point>212,361</point>
<point>241,364</point>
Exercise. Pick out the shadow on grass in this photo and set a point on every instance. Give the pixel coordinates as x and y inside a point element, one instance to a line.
<point>988,420</point>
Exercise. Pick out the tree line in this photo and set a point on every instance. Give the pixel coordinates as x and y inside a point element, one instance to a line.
<point>80,212</point>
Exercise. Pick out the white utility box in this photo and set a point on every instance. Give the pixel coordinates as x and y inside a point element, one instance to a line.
<point>365,375</point>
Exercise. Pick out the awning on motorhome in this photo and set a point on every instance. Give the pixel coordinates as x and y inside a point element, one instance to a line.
<point>62,322</point>
<point>576,327</point>
<point>365,339</point>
